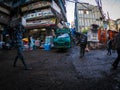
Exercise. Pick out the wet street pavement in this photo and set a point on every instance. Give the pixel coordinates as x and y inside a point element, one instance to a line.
<point>59,70</point>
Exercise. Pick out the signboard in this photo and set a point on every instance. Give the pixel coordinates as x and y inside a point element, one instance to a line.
<point>41,14</point>
<point>105,25</point>
<point>41,22</point>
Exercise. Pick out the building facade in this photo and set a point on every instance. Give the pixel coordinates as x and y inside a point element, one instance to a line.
<point>87,15</point>
<point>112,25</point>
<point>118,24</point>
<point>39,17</point>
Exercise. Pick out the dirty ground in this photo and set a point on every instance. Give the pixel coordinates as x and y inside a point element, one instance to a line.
<point>59,70</point>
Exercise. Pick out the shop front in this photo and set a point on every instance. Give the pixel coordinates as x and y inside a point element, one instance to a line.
<point>39,35</point>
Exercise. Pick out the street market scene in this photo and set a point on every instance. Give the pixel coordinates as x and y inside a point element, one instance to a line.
<point>59,45</point>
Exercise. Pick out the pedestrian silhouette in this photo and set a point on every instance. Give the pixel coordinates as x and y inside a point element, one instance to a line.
<point>82,42</point>
<point>29,41</point>
<point>19,45</point>
<point>117,43</point>
<point>109,46</point>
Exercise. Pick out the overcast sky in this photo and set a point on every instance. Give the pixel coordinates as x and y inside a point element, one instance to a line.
<point>110,6</point>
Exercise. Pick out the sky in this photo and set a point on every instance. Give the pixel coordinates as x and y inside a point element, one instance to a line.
<point>110,6</point>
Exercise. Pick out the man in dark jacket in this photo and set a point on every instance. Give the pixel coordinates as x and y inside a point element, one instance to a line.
<point>82,43</point>
<point>117,43</point>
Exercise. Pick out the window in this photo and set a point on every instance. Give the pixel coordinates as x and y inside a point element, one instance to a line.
<point>80,12</point>
<point>83,12</point>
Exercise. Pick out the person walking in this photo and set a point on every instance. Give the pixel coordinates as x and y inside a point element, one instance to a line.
<point>82,42</point>
<point>109,46</point>
<point>19,45</point>
<point>29,42</point>
<point>117,43</point>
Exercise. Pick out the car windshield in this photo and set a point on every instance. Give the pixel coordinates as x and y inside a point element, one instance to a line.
<point>63,35</point>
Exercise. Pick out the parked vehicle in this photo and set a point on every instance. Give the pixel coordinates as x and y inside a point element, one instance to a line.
<point>62,39</point>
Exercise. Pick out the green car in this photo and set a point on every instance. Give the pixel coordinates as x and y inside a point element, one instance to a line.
<point>62,39</point>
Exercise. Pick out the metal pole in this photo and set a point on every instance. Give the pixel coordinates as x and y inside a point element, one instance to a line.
<point>108,20</point>
<point>76,16</point>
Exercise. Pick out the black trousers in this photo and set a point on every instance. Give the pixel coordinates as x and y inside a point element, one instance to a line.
<point>82,51</point>
<point>19,56</point>
<point>109,50</point>
<point>117,60</point>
